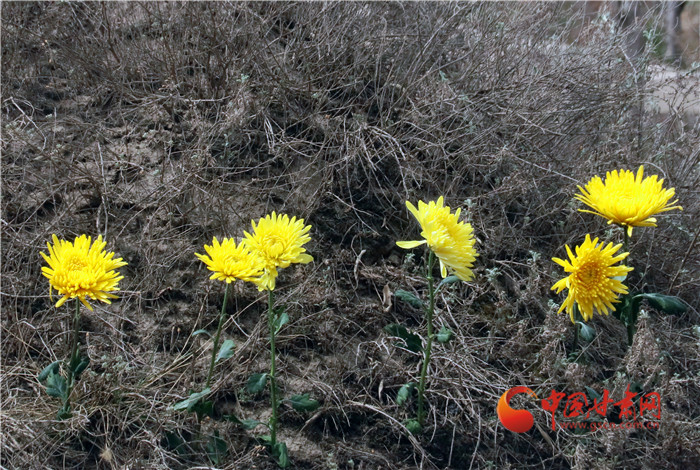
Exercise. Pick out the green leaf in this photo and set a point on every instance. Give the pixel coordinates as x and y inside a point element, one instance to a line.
<point>413,426</point>
<point>412,340</point>
<point>226,350</point>
<point>593,394</point>
<point>628,310</point>
<point>216,448</point>
<point>50,369</point>
<point>56,386</point>
<point>64,412</point>
<point>668,304</point>
<point>74,363</point>
<point>587,332</point>
<point>621,307</point>
<point>191,401</point>
<point>256,383</point>
<point>409,298</point>
<point>636,387</point>
<point>203,408</point>
<point>249,424</point>
<point>444,335</point>
<point>175,443</point>
<point>279,452</point>
<point>280,321</point>
<point>201,332</point>
<point>404,393</point>
<point>304,403</point>
<point>448,280</point>
<point>82,365</point>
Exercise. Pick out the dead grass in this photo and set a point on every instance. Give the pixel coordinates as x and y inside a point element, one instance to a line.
<point>160,125</point>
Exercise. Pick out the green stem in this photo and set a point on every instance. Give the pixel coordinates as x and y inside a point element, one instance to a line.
<point>273,383</point>
<point>73,361</point>
<point>222,317</point>
<point>631,320</point>
<point>429,342</point>
<point>577,327</point>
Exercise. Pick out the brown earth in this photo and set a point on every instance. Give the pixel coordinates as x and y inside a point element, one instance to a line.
<point>162,125</point>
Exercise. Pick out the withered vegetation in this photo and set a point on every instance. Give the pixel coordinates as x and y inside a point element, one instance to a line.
<point>161,125</point>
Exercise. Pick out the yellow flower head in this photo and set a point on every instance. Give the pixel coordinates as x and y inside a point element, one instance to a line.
<point>627,200</point>
<point>81,269</point>
<point>230,262</point>
<point>278,241</point>
<point>451,240</point>
<point>594,282</point>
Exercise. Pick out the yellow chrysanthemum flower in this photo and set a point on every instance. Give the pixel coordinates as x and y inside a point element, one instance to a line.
<point>594,282</point>
<point>627,200</point>
<point>451,240</point>
<point>230,262</point>
<point>81,269</point>
<point>278,241</point>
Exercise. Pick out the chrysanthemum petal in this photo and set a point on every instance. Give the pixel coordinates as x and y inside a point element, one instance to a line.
<point>230,262</point>
<point>81,269</point>
<point>411,244</point>
<point>563,263</point>
<point>627,199</point>
<point>443,269</point>
<point>451,240</point>
<point>304,258</point>
<point>594,282</point>
<point>277,240</point>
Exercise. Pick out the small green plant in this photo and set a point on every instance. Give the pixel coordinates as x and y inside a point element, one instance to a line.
<point>78,270</point>
<point>452,243</point>
<point>229,262</point>
<point>276,242</point>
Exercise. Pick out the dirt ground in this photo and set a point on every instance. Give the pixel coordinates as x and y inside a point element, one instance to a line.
<point>162,125</point>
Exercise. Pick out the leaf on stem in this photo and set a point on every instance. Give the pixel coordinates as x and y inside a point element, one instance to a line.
<point>56,385</point>
<point>64,412</point>
<point>409,298</point>
<point>587,332</point>
<point>80,368</point>
<point>412,340</point>
<point>201,332</point>
<point>203,408</point>
<point>304,403</point>
<point>444,335</point>
<point>628,309</point>
<point>256,383</point>
<point>668,304</point>
<point>279,452</point>
<point>226,350</point>
<point>448,280</point>
<point>48,370</point>
<point>404,393</point>
<point>413,426</point>
<point>190,402</point>
<point>280,320</point>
